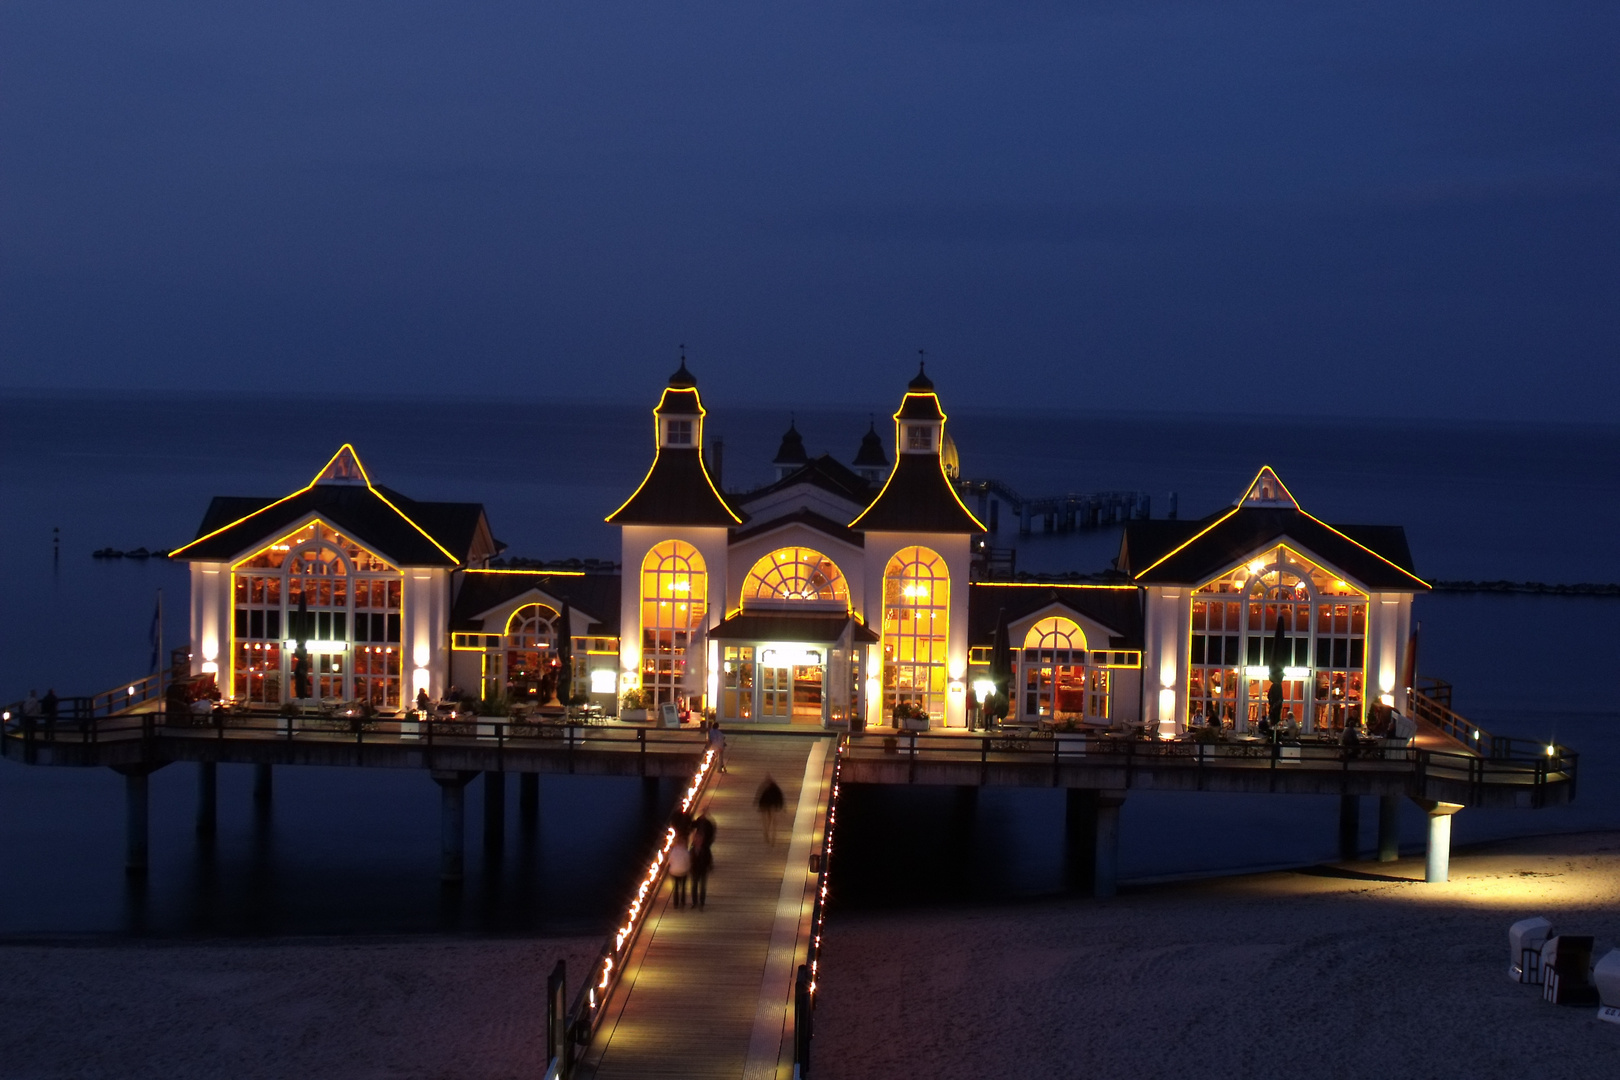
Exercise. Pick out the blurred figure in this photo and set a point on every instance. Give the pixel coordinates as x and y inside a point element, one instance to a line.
<point>769,801</point>
<point>703,831</point>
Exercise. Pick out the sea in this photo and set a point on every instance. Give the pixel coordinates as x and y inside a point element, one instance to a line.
<point>355,851</point>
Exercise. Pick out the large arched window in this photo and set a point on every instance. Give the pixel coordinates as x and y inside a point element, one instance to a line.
<point>674,601</point>
<point>795,575</point>
<point>351,599</point>
<point>1234,635</point>
<point>916,627</point>
<point>531,653</point>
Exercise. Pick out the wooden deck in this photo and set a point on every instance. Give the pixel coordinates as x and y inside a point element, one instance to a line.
<point>709,993</point>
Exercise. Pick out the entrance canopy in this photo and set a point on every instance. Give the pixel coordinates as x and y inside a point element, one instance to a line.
<point>791,626</point>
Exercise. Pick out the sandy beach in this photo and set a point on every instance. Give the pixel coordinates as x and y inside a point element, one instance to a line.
<point>424,1008</point>
<point>1336,972</point>
<point>1318,973</point>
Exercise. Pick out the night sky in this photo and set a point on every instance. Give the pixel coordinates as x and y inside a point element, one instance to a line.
<point>1345,207</point>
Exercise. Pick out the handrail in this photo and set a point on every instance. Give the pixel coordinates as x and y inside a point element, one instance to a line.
<point>166,722</point>
<point>807,975</point>
<point>585,1014</point>
<point>1511,759</point>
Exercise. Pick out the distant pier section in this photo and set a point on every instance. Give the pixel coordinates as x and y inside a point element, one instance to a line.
<point>1065,513</point>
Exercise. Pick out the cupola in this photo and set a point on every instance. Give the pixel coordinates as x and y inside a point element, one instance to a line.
<point>790,456</point>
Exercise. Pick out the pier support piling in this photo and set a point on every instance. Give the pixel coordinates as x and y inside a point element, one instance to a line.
<point>1080,835</point>
<point>1437,860</point>
<point>1389,828</point>
<point>1105,872</point>
<point>494,810</point>
<point>1349,827</point>
<point>135,823</point>
<point>529,798</point>
<point>207,798</point>
<point>452,823</point>
<point>263,786</point>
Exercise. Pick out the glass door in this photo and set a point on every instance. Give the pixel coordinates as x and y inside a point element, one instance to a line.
<point>775,693</point>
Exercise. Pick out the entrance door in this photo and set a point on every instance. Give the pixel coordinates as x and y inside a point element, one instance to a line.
<point>775,693</point>
<point>807,683</point>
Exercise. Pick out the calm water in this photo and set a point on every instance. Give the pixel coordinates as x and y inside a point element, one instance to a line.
<point>353,850</point>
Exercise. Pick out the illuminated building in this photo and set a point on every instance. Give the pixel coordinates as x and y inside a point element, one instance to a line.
<point>360,574</point>
<point>1214,592</point>
<point>831,595</point>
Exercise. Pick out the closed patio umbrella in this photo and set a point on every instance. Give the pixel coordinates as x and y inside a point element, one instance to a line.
<point>1274,696</point>
<point>565,654</point>
<point>1000,666</point>
<point>301,652</point>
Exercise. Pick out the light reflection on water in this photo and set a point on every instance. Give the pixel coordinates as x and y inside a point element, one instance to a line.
<point>356,850</point>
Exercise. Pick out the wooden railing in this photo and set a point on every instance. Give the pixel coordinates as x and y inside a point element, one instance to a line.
<point>167,723</point>
<point>807,976</point>
<point>1509,761</point>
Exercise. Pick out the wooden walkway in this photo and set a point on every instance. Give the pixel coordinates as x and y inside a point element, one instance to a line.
<point>709,993</point>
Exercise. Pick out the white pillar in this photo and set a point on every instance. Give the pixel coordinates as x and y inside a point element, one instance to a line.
<point>1437,863</point>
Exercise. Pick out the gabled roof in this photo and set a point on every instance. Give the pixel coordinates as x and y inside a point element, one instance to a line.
<point>593,595</point>
<point>917,498</point>
<point>407,532</point>
<point>824,472</point>
<point>801,516</point>
<point>1117,607</point>
<point>1191,553</point>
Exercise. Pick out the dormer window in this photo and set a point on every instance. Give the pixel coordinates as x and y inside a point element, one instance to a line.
<point>919,437</point>
<point>680,433</point>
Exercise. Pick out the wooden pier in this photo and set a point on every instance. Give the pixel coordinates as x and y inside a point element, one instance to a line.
<point>1064,513</point>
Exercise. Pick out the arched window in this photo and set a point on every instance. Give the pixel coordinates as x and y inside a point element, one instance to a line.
<point>795,575</point>
<point>674,601</point>
<point>1055,633</point>
<point>1234,643</point>
<point>351,599</point>
<point>916,627</point>
<point>531,653</point>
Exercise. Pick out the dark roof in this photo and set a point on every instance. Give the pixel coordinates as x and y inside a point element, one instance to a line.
<point>920,405</point>
<point>791,452</point>
<point>683,379</point>
<point>680,401</point>
<point>825,472</point>
<point>801,516</point>
<point>1119,609</point>
<point>917,498</point>
<point>234,525</point>
<point>1376,556</point>
<point>789,626</point>
<point>921,383</point>
<point>871,452</point>
<point>676,491</point>
<point>595,595</point>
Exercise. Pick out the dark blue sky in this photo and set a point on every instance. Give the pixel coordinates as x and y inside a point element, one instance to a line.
<point>1356,207</point>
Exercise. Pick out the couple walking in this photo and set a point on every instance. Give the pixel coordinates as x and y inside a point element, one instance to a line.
<point>691,855</point>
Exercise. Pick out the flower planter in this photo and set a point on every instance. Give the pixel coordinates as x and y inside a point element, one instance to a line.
<point>1070,743</point>
<point>633,716</point>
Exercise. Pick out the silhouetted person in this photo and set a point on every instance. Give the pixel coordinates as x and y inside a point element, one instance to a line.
<point>717,743</point>
<point>48,705</point>
<point>769,801</point>
<point>702,858</point>
<point>680,865</point>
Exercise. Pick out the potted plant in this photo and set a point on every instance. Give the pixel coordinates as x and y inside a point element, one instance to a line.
<point>633,707</point>
<point>910,716</point>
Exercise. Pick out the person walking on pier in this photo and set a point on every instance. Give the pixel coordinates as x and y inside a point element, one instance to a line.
<point>717,743</point>
<point>680,865</point>
<point>702,858</point>
<point>770,804</point>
